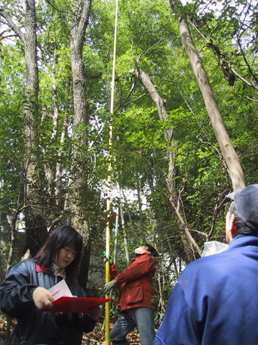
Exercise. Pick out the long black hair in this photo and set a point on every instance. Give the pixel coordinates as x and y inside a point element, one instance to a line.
<point>64,236</point>
<point>151,249</point>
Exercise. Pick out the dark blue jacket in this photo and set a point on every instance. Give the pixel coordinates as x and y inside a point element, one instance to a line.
<point>35,326</point>
<point>215,301</point>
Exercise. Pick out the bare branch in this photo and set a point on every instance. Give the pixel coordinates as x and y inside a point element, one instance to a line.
<point>220,202</point>
<point>2,37</point>
<point>53,6</point>
<point>126,100</point>
<point>254,85</point>
<point>200,233</point>
<point>144,52</point>
<point>84,18</point>
<point>9,22</point>
<point>246,61</point>
<point>5,34</point>
<point>228,71</point>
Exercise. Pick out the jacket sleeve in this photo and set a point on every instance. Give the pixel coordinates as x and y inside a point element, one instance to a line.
<point>16,291</point>
<point>139,267</point>
<point>179,325</point>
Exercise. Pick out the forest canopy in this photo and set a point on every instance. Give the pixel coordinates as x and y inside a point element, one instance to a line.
<point>186,73</point>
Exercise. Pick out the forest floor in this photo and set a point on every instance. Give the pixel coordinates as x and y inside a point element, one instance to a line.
<point>97,337</point>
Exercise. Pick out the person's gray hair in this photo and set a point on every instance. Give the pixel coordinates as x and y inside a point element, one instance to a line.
<point>232,209</point>
<point>241,227</point>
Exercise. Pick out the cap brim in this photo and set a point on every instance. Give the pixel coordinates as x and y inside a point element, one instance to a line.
<point>231,195</point>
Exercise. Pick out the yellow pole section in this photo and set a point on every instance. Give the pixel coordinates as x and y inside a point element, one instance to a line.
<point>109,180</point>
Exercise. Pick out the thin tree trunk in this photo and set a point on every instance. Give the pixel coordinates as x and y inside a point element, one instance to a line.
<point>116,236</point>
<point>124,233</point>
<point>228,152</point>
<point>161,302</point>
<point>139,198</point>
<point>190,245</point>
<point>12,239</point>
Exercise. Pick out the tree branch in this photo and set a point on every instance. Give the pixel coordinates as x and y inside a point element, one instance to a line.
<point>10,23</point>
<point>225,65</point>
<point>246,61</point>
<point>84,18</point>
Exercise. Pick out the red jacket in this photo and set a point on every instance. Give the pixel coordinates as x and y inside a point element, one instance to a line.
<point>135,283</point>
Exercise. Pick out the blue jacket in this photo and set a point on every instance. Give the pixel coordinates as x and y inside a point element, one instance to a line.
<point>215,301</point>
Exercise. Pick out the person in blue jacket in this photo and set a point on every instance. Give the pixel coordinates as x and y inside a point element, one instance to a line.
<point>25,295</point>
<point>215,301</point>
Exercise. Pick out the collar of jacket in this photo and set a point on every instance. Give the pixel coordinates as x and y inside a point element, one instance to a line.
<point>55,270</point>
<point>244,240</point>
<point>40,268</point>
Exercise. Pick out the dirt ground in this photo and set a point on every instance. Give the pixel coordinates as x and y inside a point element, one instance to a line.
<point>97,337</point>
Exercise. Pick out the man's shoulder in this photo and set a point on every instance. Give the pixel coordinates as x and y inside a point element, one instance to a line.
<point>208,264</point>
<point>206,273</point>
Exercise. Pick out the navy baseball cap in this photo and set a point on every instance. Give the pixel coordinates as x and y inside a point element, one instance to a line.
<point>246,203</point>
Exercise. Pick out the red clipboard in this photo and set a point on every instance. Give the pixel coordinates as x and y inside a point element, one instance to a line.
<point>76,304</point>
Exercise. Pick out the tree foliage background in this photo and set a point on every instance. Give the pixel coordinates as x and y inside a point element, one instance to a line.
<point>225,35</point>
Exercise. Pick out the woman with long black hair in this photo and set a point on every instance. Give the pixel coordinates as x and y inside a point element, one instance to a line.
<point>25,294</point>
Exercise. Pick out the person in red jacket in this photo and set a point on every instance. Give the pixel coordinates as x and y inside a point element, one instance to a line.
<point>135,302</point>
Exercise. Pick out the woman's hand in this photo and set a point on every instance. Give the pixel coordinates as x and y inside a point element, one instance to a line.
<point>42,298</point>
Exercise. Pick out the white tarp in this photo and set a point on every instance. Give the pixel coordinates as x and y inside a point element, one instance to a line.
<point>213,247</point>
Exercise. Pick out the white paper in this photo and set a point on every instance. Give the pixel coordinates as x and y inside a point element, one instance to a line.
<point>61,289</point>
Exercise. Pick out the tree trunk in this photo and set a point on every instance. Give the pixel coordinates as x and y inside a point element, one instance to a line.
<point>31,95</point>
<point>33,196</point>
<point>33,182</point>
<point>79,188</point>
<point>85,263</point>
<point>36,229</point>
<point>189,244</point>
<point>228,152</point>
